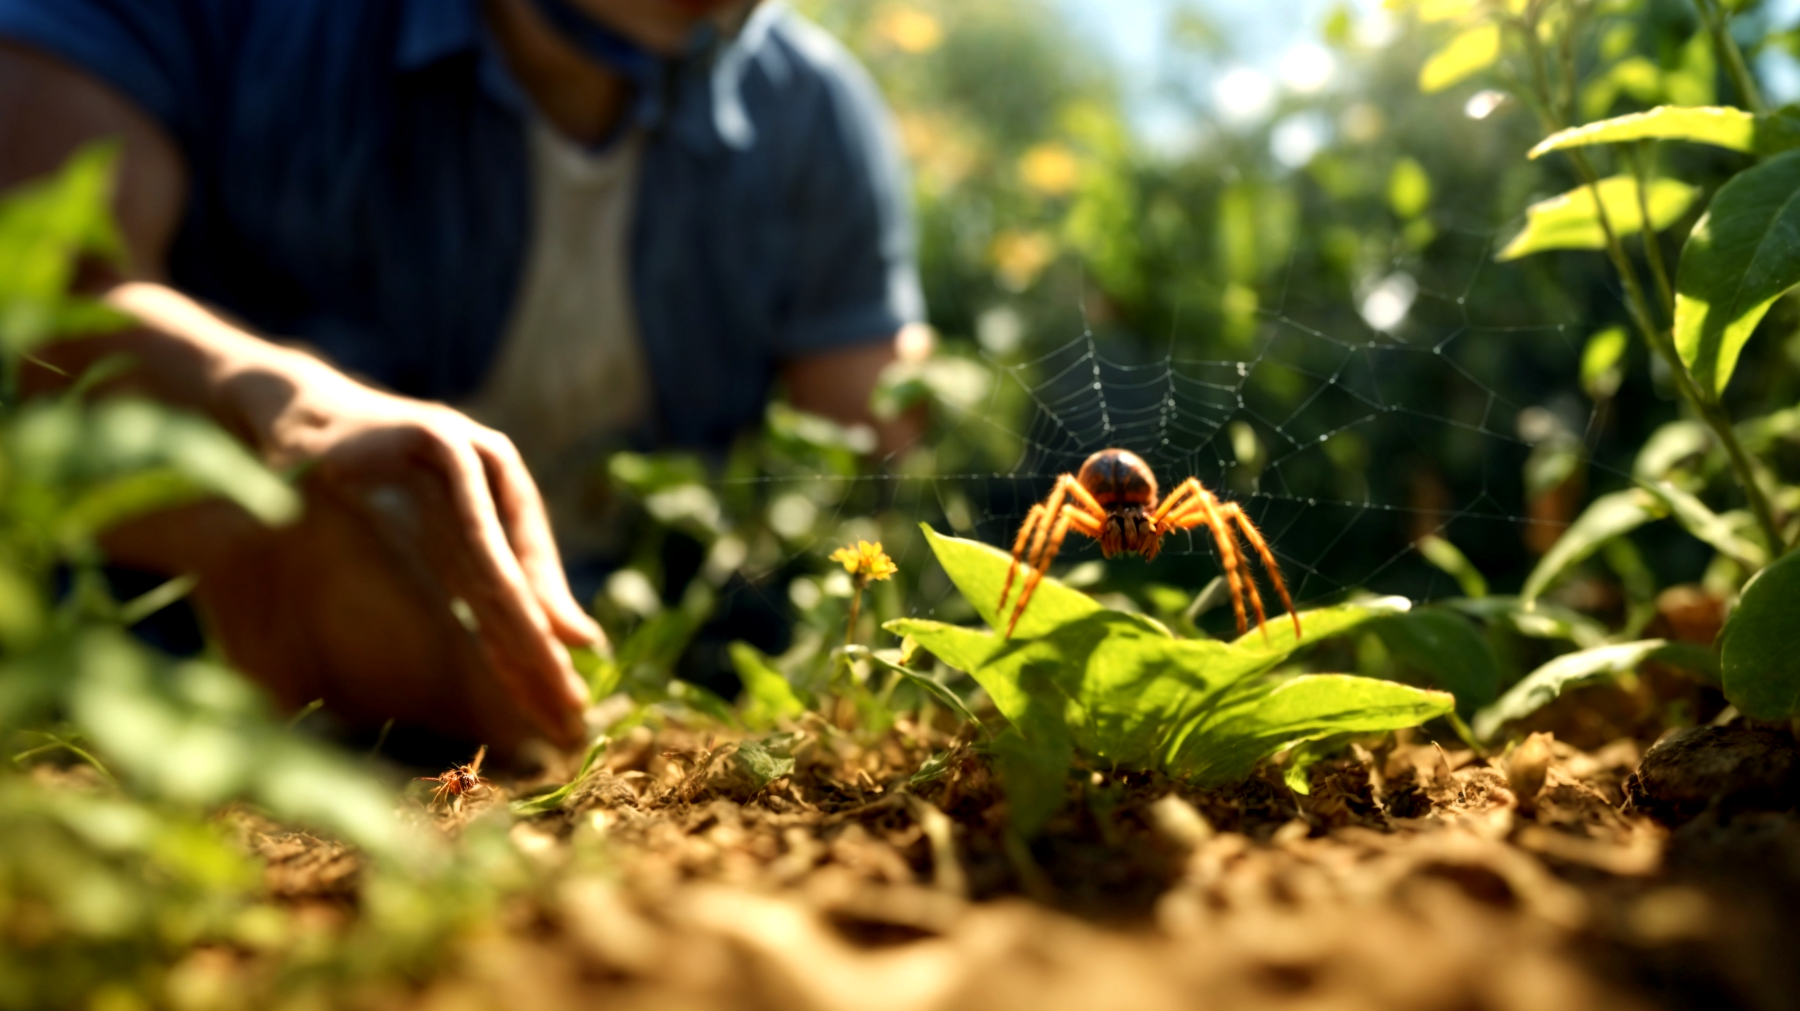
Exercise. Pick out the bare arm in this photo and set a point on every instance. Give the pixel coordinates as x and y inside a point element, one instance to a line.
<point>477,527</point>
<point>838,384</point>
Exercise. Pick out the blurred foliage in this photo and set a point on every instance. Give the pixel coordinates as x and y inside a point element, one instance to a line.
<point>1547,470</point>
<point>114,864</point>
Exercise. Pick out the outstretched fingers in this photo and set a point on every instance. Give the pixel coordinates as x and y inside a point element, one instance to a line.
<point>527,526</point>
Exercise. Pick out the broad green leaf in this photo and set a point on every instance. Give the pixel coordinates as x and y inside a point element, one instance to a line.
<point>1448,558</point>
<point>1275,643</point>
<point>1719,126</point>
<point>768,697</point>
<point>1118,687</point>
<point>1469,53</point>
<point>1606,517</point>
<point>1709,526</point>
<point>1305,708</point>
<point>979,571</point>
<point>1571,670</point>
<point>1034,774</point>
<point>1445,647</point>
<point>1761,644</point>
<point>1741,257</point>
<point>1572,220</point>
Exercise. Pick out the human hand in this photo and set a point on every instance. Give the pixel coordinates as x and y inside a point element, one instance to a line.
<point>425,544</point>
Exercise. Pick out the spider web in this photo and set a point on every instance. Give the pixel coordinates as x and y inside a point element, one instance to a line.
<point>1369,440</point>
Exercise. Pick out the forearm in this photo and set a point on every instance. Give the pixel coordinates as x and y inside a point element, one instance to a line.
<point>185,355</point>
<point>839,384</point>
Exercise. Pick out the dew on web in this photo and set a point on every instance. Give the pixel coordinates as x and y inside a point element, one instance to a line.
<point>1345,444</point>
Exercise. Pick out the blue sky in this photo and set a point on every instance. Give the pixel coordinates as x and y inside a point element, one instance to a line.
<point>1162,83</point>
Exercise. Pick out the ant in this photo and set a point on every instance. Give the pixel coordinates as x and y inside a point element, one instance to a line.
<point>463,779</point>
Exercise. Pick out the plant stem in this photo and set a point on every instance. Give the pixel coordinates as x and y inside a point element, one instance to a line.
<point>1652,247</point>
<point>1731,56</point>
<point>855,608</point>
<point>1660,341</point>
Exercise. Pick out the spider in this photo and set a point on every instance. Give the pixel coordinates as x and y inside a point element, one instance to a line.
<point>1113,500</point>
<point>454,783</point>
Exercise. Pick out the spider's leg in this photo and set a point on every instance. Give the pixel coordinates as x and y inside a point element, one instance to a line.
<point>1181,498</point>
<point>1058,530</point>
<point>474,768</point>
<point>1203,512</point>
<point>1255,537</point>
<point>1032,519</point>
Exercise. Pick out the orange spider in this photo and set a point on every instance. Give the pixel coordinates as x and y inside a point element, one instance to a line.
<point>455,783</point>
<point>1113,500</point>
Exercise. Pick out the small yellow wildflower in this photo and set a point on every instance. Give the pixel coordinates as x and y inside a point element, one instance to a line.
<point>909,29</point>
<point>866,562</point>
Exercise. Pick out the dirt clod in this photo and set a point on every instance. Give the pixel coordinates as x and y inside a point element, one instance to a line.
<point>1735,767</point>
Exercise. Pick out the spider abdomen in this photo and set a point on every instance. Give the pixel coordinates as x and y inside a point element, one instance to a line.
<point>1118,477</point>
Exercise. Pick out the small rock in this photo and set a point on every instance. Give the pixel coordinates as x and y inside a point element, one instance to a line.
<point>1738,767</point>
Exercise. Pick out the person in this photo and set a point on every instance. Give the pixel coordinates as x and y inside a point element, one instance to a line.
<point>431,255</point>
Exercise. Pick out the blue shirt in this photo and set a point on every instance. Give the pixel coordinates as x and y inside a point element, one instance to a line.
<point>359,180</point>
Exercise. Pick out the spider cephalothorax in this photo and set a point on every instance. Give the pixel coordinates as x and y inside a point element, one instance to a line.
<point>454,784</point>
<point>1113,500</point>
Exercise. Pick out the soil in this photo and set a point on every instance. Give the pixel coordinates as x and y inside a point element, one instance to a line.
<point>1618,875</point>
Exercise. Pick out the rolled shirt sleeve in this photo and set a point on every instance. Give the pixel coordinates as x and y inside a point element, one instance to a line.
<point>154,52</point>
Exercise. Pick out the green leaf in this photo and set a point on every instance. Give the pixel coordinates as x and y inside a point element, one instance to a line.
<point>1034,774</point>
<point>1719,126</point>
<point>598,670</point>
<point>1741,257</point>
<point>1122,690</point>
<point>1446,648</point>
<point>768,697</point>
<point>1668,446</point>
<point>1709,526</point>
<point>1539,621</point>
<point>1469,53</point>
<point>1760,659</point>
<point>1306,708</point>
<point>940,692</point>
<point>1572,220</point>
<point>1606,517</point>
<point>1409,188</point>
<point>1447,557</point>
<point>980,570</point>
<point>1571,670</point>
<point>766,760</point>
<point>1600,362</point>
<point>552,800</point>
<point>45,228</point>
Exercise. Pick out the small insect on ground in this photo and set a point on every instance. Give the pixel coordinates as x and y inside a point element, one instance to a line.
<point>454,784</point>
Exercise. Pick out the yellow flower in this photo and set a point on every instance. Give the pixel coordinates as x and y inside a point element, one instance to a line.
<point>1050,169</point>
<point>867,562</point>
<point>1019,257</point>
<point>910,30</point>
